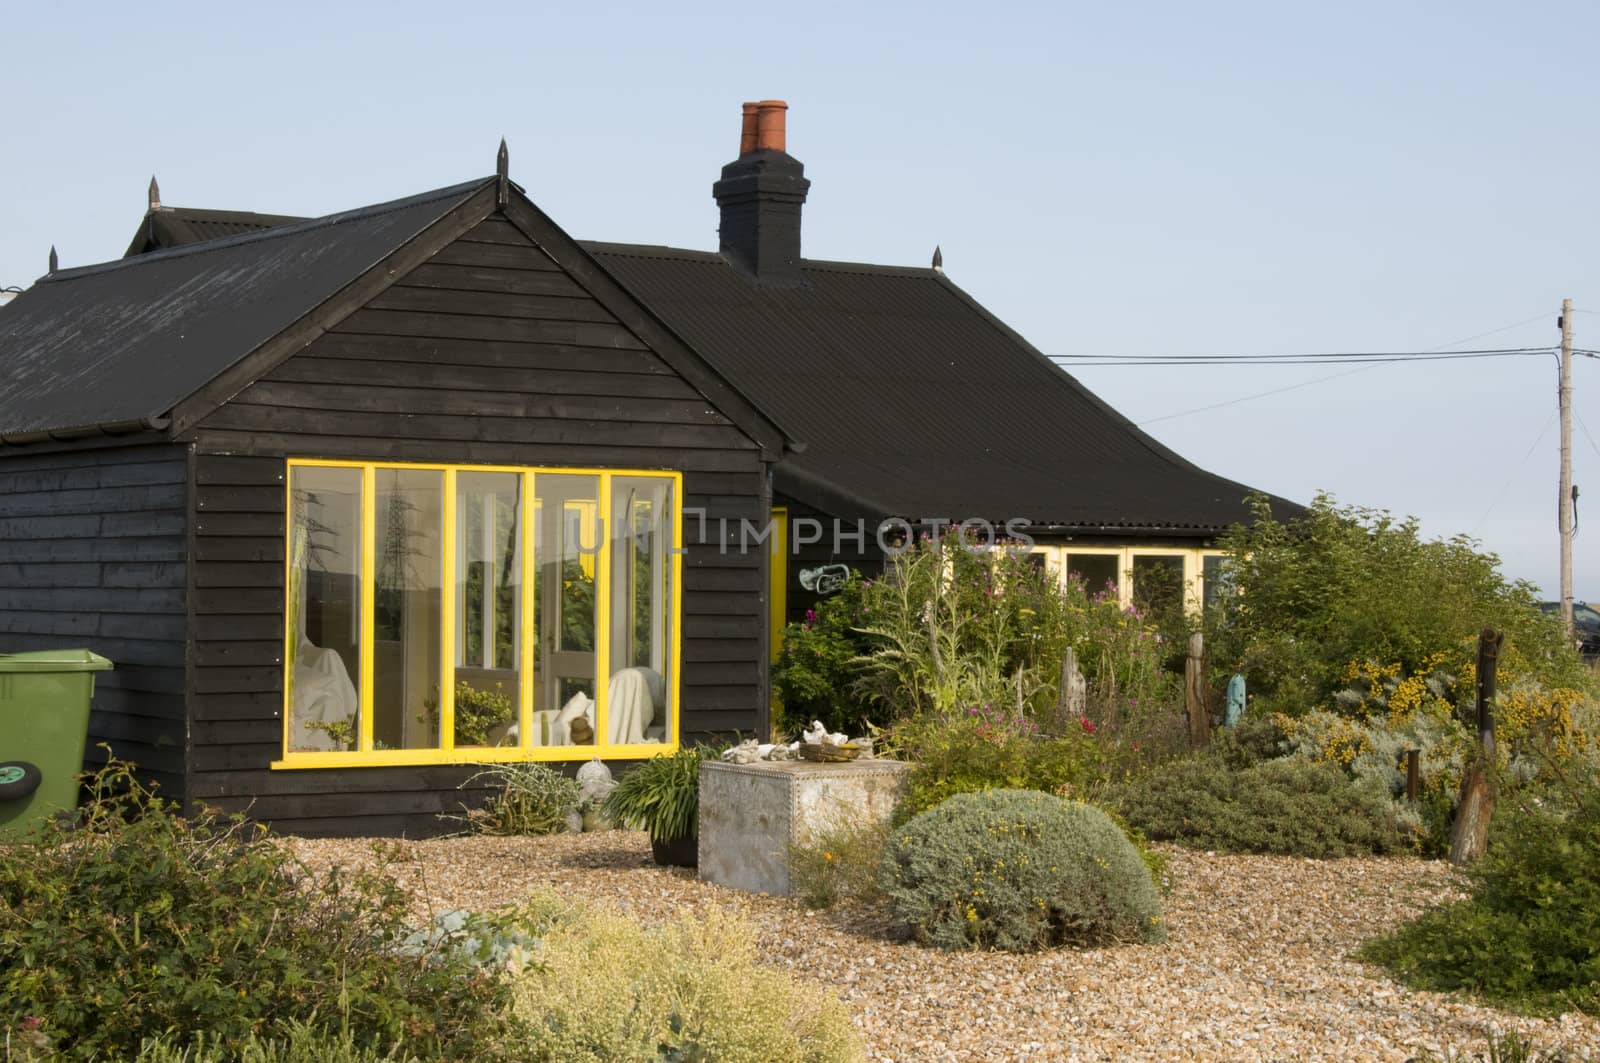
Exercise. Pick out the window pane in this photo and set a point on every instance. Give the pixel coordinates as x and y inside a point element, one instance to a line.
<point>408,609</point>
<point>488,607</point>
<point>324,608</point>
<point>637,701</point>
<point>1157,582</point>
<point>1097,572</point>
<point>566,552</point>
<point>1214,578</point>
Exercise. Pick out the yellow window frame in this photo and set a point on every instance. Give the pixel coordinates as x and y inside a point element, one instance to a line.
<point>525,750</point>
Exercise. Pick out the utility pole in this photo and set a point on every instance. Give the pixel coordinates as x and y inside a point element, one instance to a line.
<point>1564,512</point>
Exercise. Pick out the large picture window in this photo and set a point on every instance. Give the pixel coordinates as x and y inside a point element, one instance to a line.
<point>440,614</point>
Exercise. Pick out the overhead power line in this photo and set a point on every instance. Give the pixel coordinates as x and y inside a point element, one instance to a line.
<point>1330,358</point>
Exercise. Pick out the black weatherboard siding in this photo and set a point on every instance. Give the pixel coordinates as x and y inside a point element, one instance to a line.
<point>488,353</point>
<point>92,554</point>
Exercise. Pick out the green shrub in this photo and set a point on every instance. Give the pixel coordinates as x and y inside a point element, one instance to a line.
<point>839,864</point>
<point>951,626</point>
<point>139,922</point>
<point>1289,806</point>
<point>606,989</point>
<point>982,749</point>
<point>1342,585</point>
<point>816,671</point>
<point>532,799</point>
<point>1528,936</point>
<point>1018,870</point>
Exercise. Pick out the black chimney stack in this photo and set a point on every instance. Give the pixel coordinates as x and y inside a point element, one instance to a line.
<point>760,195</point>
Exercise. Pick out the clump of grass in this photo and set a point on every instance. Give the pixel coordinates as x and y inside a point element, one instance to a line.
<point>839,865</point>
<point>532,799</point>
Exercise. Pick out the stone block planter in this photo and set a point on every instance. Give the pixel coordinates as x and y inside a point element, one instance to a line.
<point>751,814</point>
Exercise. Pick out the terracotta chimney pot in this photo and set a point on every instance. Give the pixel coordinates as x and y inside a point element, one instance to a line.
<point>770,122</point>
<point>747,131</point>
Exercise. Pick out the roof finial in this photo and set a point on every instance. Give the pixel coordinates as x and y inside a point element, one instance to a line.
<point>938,259</point>
<point>155,194</point>
<point>55,263</point>
<point>502,172</point>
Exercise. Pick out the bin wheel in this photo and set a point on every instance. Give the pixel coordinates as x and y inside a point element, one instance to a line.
<point>18,779</point>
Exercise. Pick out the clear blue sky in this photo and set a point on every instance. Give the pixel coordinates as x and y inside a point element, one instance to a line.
<point>1108,178</point>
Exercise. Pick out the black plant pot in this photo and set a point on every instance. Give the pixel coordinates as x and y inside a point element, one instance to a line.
<point>677,852</point>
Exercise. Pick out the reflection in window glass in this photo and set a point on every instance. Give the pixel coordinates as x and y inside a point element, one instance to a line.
<point>566,552</point>
<point>1097,572</point>
<point>408,600</point>
<point>324,609</point>
<point>488,606</point>
<point>1157,582</point>
<point>1214,577</point>
<point>641,604</point>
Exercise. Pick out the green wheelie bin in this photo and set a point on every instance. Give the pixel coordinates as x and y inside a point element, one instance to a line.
<point>44,723</point>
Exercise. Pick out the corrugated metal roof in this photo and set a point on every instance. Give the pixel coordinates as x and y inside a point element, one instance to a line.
<point>176,226</point>
<point>911,396</point>
<point>127,340</point>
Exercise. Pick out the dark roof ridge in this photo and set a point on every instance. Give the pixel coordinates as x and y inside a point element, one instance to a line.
<point>276,232</point>
<point>613,247</point>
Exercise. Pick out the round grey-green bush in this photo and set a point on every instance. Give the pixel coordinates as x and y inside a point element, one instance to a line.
<point>1018,870</point>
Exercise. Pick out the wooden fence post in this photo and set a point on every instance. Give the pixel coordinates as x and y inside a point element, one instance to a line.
<point>1073,698</point>
<point>1469,834</point>
<point>1194,692</point>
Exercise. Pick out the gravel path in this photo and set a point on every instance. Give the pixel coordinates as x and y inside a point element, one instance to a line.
<point>1257,967</point>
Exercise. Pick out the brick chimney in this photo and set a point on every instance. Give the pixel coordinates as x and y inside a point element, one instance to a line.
<point>761,193</point>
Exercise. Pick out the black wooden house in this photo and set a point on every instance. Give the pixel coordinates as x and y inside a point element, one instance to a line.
<point>358,502</point>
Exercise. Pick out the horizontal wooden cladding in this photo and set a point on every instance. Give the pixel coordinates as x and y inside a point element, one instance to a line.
<point>525,400</point>
<point>124,653</point>
<point>62,574</point>
<point>724,580</point>
<point>361,809</point>
<point>238,705</point>
<point>94,456</point>
<point>261,780</point>
<point>383,356</point>
<point>133,524</point>
<point>463,253</point>
<point>163,762</point>
<point>378,426</point>
<point>222,469</point>
<point>146,703</point>
<point>740,646</point>
<point>92,500</point>
<point>482,327</point>
<point>579,307</point>
<point>718,721</point>
<point>355,447</point>
<point>574,379</point>
<point>67,551</point>
<point>237,627</point>
<point>499,231</point>
<point>83,624</point>
<point>702,699</point>
<point>167,600</point>
<point>249,652</point>
<point>214,551</point>
<point>729,604</point>
<point>155,732</point>
<point>22,481</point>
<point>483,278</point>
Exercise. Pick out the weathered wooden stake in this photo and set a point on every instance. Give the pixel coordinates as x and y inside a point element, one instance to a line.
<point>1469,834</point>
<point>1194,692</point>
<point>1413,773</point>
<point>1073,700</point>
